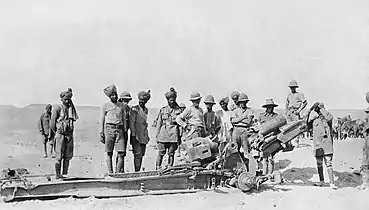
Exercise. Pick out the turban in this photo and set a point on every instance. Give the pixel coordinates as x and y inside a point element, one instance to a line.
<point>66,95</point>
<point>144,95</point>
<point>110,90</point>
<point>171,94</point>
<point>224,99</point>
<point>48,106</point>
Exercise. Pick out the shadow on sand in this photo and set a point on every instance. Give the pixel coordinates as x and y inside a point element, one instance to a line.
<point>302,176</point>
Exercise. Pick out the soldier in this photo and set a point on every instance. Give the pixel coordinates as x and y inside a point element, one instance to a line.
<point>44,128</point>
<point>322,140</point>
<point>192,118</point>
<point>225,133</point>
<point>365,159</point>
<point>124,99</point>
<point>234,97</point>
<point>212,121</point>
<point>139,129</point>
<point>62,124</point>
<point>242,118</point>
<point>295,103</point>
<point>112,124</point>
<point>167,133</point>
<point>269,114</point>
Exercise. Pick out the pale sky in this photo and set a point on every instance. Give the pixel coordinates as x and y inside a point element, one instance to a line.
<point>211,46</point>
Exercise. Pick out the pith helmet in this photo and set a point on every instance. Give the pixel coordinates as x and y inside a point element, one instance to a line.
<point>243,97</point>
<point>209,100</point>
<point>125,95</point>
<point>195,96</point>
<point>367,97</point>
<point>269,102</point>
<point>182,105</point>
<point>293,83</point>
<point>367,110</point>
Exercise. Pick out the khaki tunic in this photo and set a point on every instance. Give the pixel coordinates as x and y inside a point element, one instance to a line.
<point>138,124</point>
<point>322,132</point>
<point>167,127</point>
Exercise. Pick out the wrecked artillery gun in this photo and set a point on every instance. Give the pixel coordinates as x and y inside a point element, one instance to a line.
<point>210,164</point>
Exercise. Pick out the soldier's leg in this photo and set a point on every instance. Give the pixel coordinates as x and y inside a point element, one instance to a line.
<point>319,163</point>
<point>58,155</point>
<point>171,150</point>
<point>110,137</point>
<point>328,163</point>
<point>137,153</point>
<point>68,153</point>
<point>161,153</point>
<point>44,143</point>
<point>52,147</point>
<point>365,163</point>
<point>120,147</point>
<point>246,148</point>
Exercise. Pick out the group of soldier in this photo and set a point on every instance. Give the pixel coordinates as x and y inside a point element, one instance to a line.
<point>121,123</point>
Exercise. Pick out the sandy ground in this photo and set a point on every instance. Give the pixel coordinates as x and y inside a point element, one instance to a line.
<point>24,151</point>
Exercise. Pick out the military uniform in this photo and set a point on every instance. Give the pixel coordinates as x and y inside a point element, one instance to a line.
<point>168,132</point>
<point>242,120</point>
<point>113,125</point>
<point>139,133</point>
<point>293,104</point>
<point>323,142</point>
<point>44,127</point>
<point>194,118</point>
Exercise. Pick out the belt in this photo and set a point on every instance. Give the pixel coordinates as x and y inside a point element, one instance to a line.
<point>114,125</point>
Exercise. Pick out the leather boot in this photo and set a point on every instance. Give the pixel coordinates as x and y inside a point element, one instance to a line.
<point>120,165</point>
<point>171,160</point>
<point>65,167</point>
<point>331,178</point>
<point>321,177</point>
<point>109,164</point>
<point>137,161</point>
<point>365,179</point>
<point>57,170</point>
<point>159,161</point>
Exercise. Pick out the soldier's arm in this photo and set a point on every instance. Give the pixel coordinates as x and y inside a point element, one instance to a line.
<point>124,114</point>
<point>327,116</point>
<point>287,103</point>
<point>158,123</point>
<point>102,118</point>
<point>40,125</point>
<point>237,119</point>
<point>181,118</point>
<point>54,117</point>
<point>132,121</point>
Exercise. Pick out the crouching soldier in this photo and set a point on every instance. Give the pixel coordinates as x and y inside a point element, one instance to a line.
<point>167,133</point>
<point>322,140</point>
<point>112,122</point>
<point>62,124</point>
<point>139,132</point>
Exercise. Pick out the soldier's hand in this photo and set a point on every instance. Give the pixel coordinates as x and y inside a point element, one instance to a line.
<point>102,137</point>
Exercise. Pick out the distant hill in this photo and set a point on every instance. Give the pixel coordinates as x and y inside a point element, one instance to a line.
<point>14,118</point>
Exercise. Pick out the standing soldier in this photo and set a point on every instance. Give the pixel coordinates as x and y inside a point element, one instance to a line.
<point>124,99</point>
<point>139,132</point>
<point>234,97</point>
<point>167,133</point>
<point>295,103</point>
<point>44,128</point>
<point>225,118</point>
<point>192,118</point>
<point>365,158</point>
<point>212,121</point>
<point>62,124</point>
<point>242,119</point>
<point>112,122</point>
<point>322,140</point>
<point>269,114</point>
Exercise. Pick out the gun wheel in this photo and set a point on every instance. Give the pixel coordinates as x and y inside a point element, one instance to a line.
<point>245,181</point>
